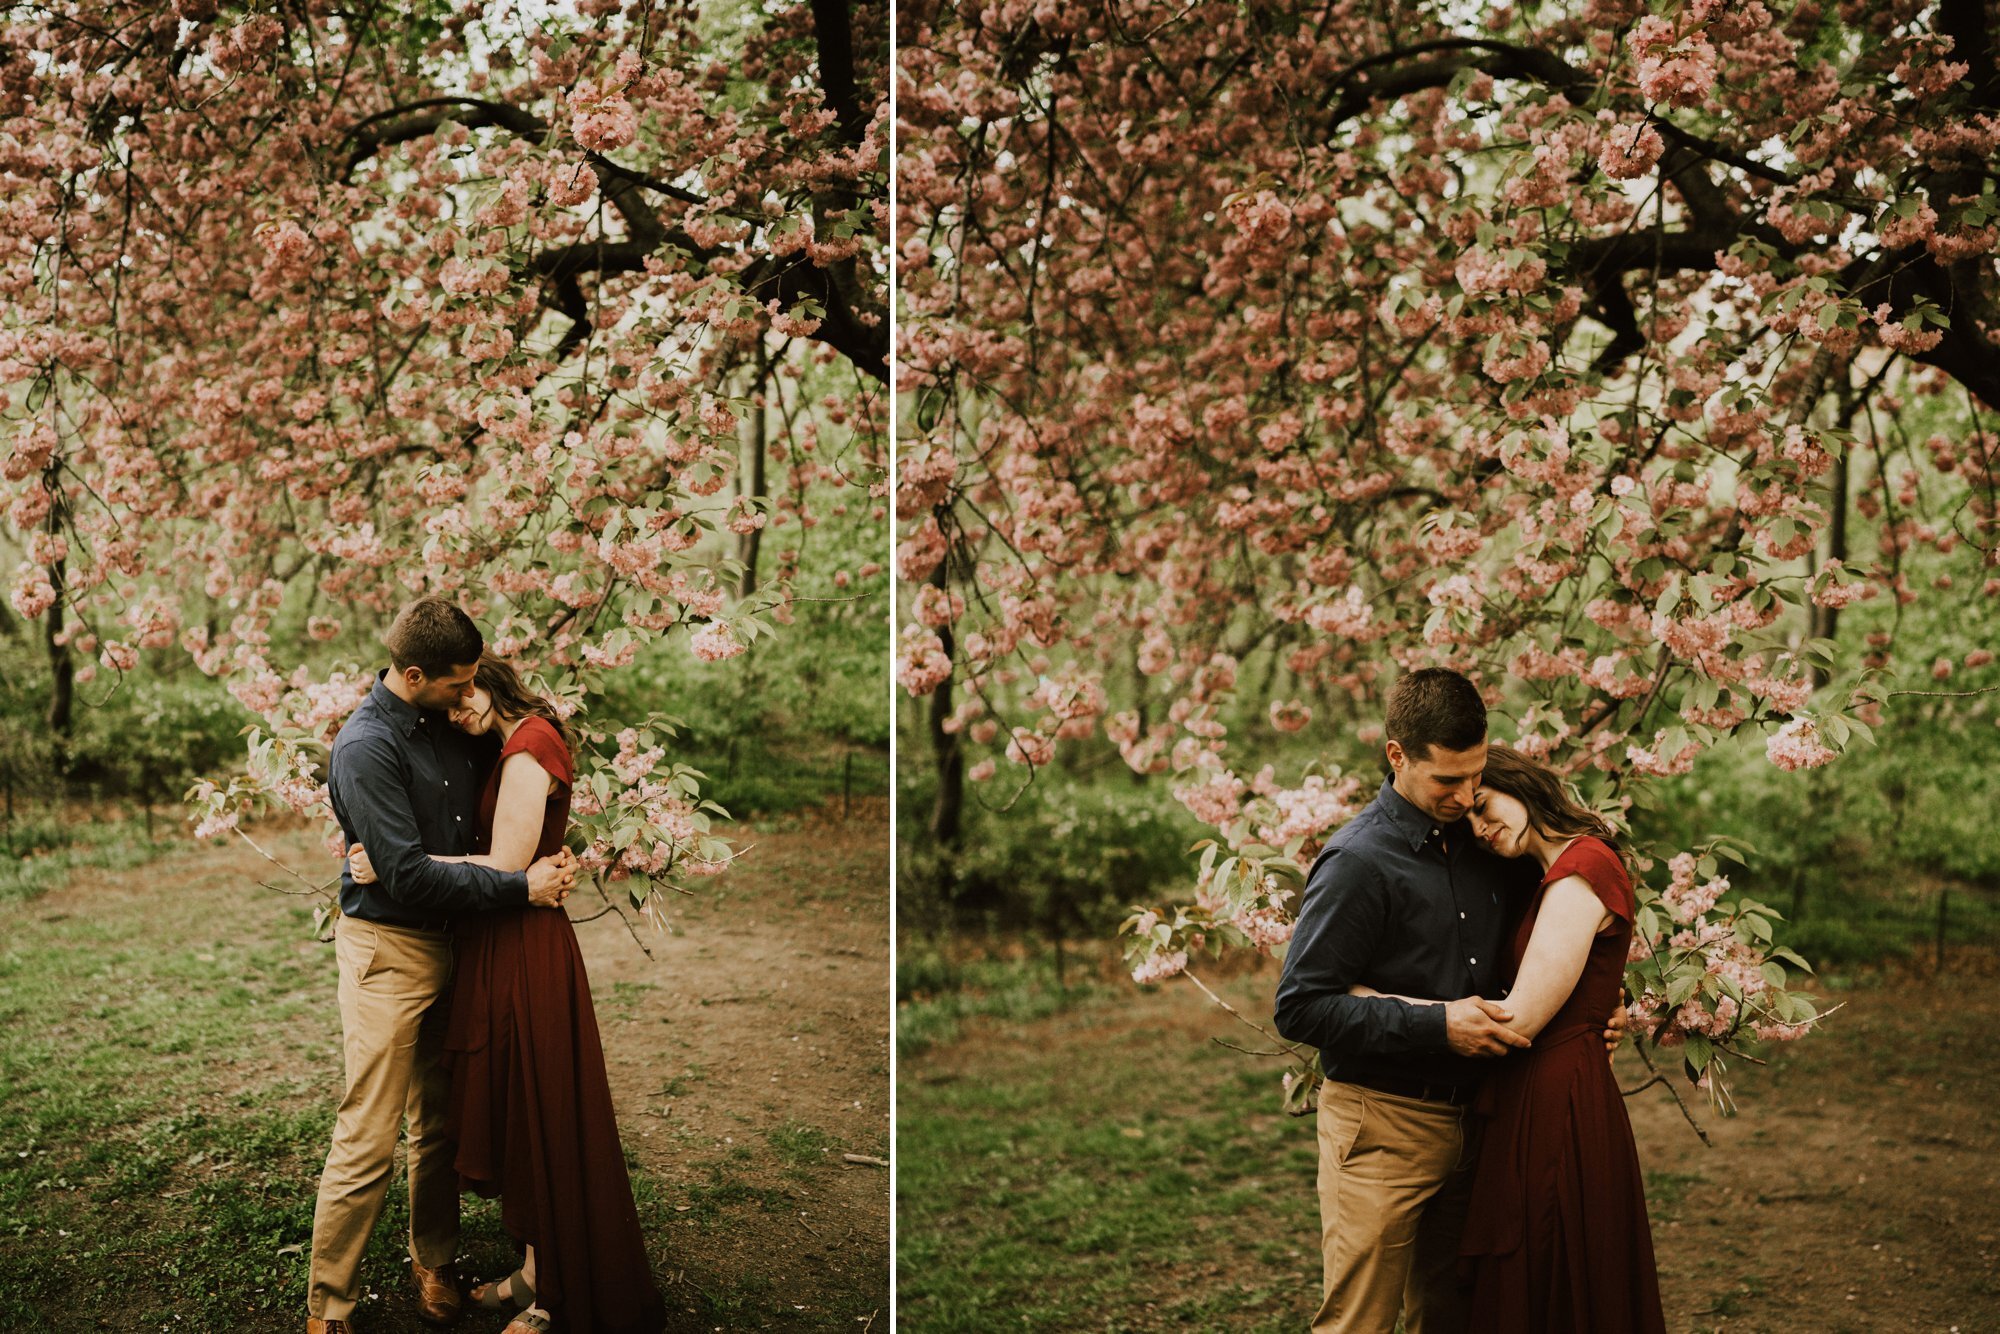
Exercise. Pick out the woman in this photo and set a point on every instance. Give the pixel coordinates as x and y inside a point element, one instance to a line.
<point>1556,1236</point>
<point>530,1103</point>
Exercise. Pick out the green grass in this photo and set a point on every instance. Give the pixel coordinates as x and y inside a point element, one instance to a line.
<point>936,998</point>
<point>755,775</point>
<point>1083,1181</point>
<point>40,851</point>
<point>1873,915</point>
<point>1666,1190</point>
<point>140,1170</point>
<point>801,1147</point>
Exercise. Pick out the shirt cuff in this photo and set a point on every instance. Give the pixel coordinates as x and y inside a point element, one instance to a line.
<point>1428,1026</point>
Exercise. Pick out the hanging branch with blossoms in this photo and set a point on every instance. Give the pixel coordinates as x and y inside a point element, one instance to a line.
<point>307,306</point>
<point>1554,349</point>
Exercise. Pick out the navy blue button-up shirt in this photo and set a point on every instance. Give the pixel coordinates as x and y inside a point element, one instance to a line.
<point>406,785</point>
<point>1401,903</point>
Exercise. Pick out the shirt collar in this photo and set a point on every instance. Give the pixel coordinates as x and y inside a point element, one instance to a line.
<point>394,707</point>
<point>1412,823</point>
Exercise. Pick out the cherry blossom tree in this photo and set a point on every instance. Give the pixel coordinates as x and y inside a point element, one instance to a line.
<point>329,304</point>
<point>1566,346</point>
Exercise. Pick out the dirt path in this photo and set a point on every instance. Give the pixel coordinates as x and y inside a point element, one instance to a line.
<point>1858,1189</point>
<point>752,1052</point>
<point>746,1056</point>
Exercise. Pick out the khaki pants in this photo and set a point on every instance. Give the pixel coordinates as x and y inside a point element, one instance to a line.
<point>392,1024</point>
<point>1395,1175</point>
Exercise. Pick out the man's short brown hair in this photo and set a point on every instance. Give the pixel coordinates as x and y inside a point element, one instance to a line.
<point>1435,707</point>
<point>433,636</point>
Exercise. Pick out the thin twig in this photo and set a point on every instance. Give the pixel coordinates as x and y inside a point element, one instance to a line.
<point>1251,1051</point>
<point>609,906</point>
<point>298,893</point>
<point>317,889</point>
<point>1233,1010</point>
<point>1944,694</point>
<point>1706,1141</point>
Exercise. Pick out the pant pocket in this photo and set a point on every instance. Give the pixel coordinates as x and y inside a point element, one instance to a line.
<point>1343,1117</point>
<point>354,948</point>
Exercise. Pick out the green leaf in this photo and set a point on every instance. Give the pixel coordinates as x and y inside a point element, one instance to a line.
<point>1791,957</point>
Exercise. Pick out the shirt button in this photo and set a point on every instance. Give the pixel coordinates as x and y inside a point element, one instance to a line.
<point>1475,961</point>
<point>1461,916</point>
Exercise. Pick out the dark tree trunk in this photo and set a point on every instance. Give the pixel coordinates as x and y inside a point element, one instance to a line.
<point>62,674</point>
<point>755,430</point>
<point>948,813</point>
<point>1826,620</point>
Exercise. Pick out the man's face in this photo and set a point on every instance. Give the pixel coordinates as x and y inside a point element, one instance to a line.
<point>1442,784</point>
<point>440,692</point>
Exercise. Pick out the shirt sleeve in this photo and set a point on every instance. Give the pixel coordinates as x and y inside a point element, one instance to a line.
<point>1341,924</point>
<point>374,797</point>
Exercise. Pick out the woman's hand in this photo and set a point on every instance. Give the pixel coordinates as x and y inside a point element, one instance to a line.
<point>1614,1030</point>
<point>359,867</point>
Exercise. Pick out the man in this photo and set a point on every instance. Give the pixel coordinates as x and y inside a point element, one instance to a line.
<point>406,784</point>
<point>1404,900</point>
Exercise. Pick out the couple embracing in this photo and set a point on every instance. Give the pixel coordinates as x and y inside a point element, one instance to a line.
<point>1460,947</point>
<point>464,1007</point>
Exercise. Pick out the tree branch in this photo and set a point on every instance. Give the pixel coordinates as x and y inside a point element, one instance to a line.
<point>790,279</point>
<point>834,33</point>
<point>382,130</point>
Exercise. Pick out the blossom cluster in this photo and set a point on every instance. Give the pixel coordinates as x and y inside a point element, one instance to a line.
<point>1705,974</point>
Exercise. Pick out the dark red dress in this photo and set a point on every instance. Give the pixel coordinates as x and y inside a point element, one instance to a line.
<point>1556,1237</point>
<point>530,1103</point>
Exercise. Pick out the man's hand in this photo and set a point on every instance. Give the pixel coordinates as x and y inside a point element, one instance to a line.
<point>1614,1029</point>
<point>359,867</point>
<point>1476,1026</point>
<point>551,879</point>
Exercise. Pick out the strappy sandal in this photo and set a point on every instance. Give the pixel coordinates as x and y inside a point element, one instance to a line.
<point>520,1296</point>
<point>528,1322</point>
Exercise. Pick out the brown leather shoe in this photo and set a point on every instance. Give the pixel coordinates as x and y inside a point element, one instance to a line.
<point>438,1299</point>
<point>314,1325</point>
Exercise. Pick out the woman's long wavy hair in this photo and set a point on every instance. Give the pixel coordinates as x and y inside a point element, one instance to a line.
<point>512,699</point>
<point>1555,814</point>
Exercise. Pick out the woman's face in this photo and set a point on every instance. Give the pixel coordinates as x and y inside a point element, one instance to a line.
<point>1500,822</point>
<point>475,716</point>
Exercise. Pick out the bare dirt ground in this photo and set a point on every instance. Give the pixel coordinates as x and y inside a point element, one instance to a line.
<point>1858,1188</point>
<point>767,1025</point>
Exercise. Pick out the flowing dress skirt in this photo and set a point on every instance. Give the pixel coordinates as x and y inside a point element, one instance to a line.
<point>531,1109</point>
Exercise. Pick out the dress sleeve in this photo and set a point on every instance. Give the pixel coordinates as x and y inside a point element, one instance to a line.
<point>1604,872</point>
<point>539,738</point>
